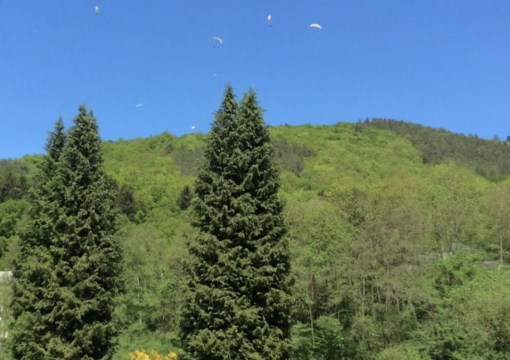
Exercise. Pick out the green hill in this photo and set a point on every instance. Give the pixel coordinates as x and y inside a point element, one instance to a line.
<point>490,158</point>
<point>373,209</point>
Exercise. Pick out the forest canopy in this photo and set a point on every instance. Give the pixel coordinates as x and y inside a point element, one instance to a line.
<point>399,233</point>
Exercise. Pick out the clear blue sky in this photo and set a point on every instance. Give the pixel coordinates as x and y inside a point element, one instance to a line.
<point>433,62</point>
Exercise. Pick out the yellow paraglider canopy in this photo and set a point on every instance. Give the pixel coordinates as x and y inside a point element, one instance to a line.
<point>316,26</point>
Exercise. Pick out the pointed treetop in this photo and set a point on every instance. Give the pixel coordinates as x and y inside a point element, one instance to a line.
<point>56,140</point>
<point>226,114</point>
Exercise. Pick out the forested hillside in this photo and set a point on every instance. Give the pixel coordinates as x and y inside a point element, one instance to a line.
<point>400,237</point>
<point>489,158</point>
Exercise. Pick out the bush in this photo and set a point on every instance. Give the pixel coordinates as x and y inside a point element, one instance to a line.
<point>154,355</point>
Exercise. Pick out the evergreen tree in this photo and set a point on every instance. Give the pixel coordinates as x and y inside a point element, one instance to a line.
<point>14,186</point>
<point>185,197</point>
<point>125,201</point>
<point>31,307</point>
<point>68,270</point>
<point>238,302</point>
<point>86,256</point>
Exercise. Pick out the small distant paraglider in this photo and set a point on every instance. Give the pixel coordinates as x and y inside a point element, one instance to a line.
<point>269,19</point>
<point>193,127</point>
<point>218,39</point>
<point>139,105</point>
<point>97,10</point>
<point>316,26</point>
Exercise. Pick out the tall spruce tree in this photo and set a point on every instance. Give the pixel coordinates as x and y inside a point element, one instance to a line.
<point>86,256</point>
<point>239,298</point>
<point>31,307</point>
<point>80,259</point>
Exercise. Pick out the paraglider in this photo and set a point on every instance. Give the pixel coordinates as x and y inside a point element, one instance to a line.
<point>97,10</point>
<point>193,127</point>
<point>217,38</point>
<point>316,26</point>
<point>269,20</point>
<point>138,105</point>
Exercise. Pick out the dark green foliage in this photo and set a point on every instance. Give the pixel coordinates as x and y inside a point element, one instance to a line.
<point>13,179</point>
<point>168,149</point>
<point>85,254</point>
<point>489,158</point>
<point>238,304</point>
<point>125,201</point>
<point>185,197</point>
<point>290,156</point>
<point>188,159</point>
<point>69,263</point>
<point>31,305</point>
<point>13,186</point>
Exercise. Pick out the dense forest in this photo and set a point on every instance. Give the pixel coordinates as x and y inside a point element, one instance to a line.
<point>399,233</point>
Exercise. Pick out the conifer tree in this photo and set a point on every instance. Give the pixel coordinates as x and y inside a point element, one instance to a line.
<point>30,331</point>
<point>185,197</point>
<point>239,297</point>
<point>125,201</point>
<point>86,256</point>
<point>74,266</point>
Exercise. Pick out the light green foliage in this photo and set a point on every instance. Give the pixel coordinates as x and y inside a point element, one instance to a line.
<point>344,158</point>
<point>483,309</point>
<point>329,340</point>
<point>455,195</point>
<point>468,318</point>
<point>11,212</point>
<point>154,279</point>
<point>319,243</point>
<point>496,206</point>
<point>5,317</point>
